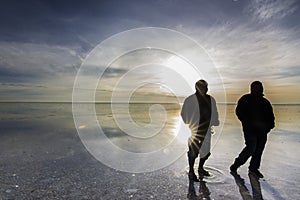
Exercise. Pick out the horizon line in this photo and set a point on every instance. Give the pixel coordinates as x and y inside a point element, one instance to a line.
<point>133,102</point>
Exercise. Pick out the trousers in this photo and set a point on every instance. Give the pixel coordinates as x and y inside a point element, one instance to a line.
<point>255,143</point>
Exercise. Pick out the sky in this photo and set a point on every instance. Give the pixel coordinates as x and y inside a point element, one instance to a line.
<point>44,43</point>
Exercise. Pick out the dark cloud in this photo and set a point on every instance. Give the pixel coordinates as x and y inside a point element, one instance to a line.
<point>288,72</point>
<point>12,73</point>
<point>22,85</point>
<point>113,72</point>
<point>29,60</point>
<point>67,22</point>
<point>51,22</point>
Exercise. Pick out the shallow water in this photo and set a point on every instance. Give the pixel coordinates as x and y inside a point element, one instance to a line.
<point>43,157</point>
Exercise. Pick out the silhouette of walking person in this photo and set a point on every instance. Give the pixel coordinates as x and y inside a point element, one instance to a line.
<point>199,111</point>
<point>256,115</point>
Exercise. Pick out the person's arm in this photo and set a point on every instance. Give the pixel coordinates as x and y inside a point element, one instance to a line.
<point>184,112</point>
<point>214,114</point>
<point>271,117</point>
<point>240,110</point>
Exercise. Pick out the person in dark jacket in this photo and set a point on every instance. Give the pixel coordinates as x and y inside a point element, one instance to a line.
<point>256,115</point>
<point>199,111</point>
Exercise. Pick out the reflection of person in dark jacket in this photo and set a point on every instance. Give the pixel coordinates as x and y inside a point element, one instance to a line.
<point>199,111</point>
<point>256,115</point>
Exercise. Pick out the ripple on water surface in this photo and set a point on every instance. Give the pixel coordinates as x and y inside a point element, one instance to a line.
<point>216,175</point>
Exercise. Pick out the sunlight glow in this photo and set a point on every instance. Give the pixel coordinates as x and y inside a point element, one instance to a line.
<point>82,127</point>
<point>182,67</point>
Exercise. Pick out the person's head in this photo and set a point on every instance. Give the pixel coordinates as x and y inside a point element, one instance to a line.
<point>201,87</point>
<point>256,88</point>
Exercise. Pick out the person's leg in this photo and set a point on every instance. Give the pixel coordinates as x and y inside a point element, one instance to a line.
<point>249,149</point>
<point>192,155</point>
<point>256,157</point>
<point>204,154</point>
<point>201,170</point>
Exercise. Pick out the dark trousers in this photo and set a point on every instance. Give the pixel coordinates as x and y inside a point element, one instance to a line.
<point>255,144</point>
<point>194,148</point>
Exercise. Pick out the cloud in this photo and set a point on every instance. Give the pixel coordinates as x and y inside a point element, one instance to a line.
<point>37,60</point>
<point>28,92</point>
<point>264,10</point>
<point>44,42</point>
<point>241,51</point>
<point>20,85</point>
<point>31,71</point>
<point>290,72</point>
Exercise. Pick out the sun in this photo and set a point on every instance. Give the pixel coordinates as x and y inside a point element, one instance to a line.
<point>185,72</point>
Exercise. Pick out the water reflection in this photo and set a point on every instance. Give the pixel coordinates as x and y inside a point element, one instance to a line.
<point>168,136</point>
<point>256,189</point>
<point>244,192</point>
<point>204,192</point>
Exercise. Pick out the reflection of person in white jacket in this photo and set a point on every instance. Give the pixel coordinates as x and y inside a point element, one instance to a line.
<point>199,111</point>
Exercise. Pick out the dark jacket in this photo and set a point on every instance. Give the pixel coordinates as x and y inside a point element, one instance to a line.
<point>255,113</point>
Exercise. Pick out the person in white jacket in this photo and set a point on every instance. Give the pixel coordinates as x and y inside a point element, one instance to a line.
<point>199,111</point>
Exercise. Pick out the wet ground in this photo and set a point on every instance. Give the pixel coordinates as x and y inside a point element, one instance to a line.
<point>42,157</point>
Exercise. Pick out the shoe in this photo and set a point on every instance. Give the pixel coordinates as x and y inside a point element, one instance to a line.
<point>256,173</point>
<point>193,177</point>
<point>202,172</point>
<point>233,168</point>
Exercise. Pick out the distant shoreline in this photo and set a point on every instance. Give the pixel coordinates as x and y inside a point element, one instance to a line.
<point>107,102</point>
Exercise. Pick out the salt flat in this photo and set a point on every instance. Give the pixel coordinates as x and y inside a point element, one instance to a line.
<point>42,157</point>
